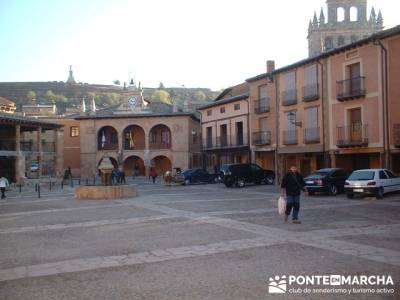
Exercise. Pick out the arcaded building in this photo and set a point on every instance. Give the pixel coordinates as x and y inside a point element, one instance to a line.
<point>135,138</point>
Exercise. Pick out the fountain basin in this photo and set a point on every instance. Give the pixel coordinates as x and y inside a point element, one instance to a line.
<point>109,192</point>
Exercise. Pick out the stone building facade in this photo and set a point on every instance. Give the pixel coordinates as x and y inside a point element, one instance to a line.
<point>346,22</point>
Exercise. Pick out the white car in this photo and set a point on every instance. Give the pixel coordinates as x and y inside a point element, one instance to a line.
<point>371,182</point>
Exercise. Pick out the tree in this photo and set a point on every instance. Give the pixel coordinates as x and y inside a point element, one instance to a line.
<point>50,96</point>
<point>60,98</point>
<point>161,96</point>
<point>200,96</point>
<point>31,95</point>
<point>117,82</point>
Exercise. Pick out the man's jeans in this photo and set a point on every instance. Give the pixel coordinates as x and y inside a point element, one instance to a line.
<point>293,202</point>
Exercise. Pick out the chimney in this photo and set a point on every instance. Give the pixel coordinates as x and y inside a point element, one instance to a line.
<point>270,66</point>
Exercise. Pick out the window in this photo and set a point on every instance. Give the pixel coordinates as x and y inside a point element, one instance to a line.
<point>312,117</point>
<point>353,14</point>
<point>310,91</point>
<point>263,98</point>
<point>114,138</point>
<point>209,112</point>
<point>222,110</point>
<point>74,131</point>
<point>328,43</point>
<point>382,175</point>
<point>340,14</point>
<point>390,174</point>
<point>237,106</point>
<point>263,124</point>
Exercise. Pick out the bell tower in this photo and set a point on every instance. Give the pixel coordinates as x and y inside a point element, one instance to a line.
<point>345,23</point>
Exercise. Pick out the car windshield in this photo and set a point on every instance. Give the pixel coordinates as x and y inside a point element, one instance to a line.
<point>320,173</point>
<point>362,175</point>
<point>187,172</point>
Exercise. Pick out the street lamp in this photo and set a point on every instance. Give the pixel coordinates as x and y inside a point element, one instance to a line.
<point>292,119</point>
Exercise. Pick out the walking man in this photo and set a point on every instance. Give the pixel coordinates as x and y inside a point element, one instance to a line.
<point>3,184</point>
<point>292,184</point>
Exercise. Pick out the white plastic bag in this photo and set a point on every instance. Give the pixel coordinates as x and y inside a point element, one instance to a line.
<point>281,205</point>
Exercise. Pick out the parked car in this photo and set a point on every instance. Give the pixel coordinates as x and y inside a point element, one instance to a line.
<point>199,176</point>
<point>375,182</point>
<point>240,174</point>
<point>34,166</point>
<point>329,180</point>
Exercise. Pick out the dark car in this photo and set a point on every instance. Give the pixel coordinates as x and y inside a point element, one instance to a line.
<point>330,181</point>
<point>199,176</point>
<point>240,174</point>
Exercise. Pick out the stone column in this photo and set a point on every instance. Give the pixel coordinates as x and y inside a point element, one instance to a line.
<point>120,152</point>
<point>19,160</point>
<point>333,159</point>
<point>59,155</point>
<point>40,151</point>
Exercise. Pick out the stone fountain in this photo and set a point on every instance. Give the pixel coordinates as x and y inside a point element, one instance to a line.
<point>106,190</point>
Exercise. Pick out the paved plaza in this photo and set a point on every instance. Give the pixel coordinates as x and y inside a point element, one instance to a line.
<point>192,242</point>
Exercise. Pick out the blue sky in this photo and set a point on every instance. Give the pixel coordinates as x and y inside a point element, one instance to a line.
<point>204,43</point>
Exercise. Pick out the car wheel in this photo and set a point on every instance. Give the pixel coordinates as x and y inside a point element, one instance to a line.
<point>379,193</point>
<point>333,190</point>
<point>269,180</point>
<point>215,180</point>
<point>311,193</point>
<point>187,181</point>
<point>350,196</point>
<point>240,182</point>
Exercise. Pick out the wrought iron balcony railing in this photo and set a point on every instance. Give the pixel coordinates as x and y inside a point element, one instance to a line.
<point>310,92</point>
<point>290,137</point>
<point>350,88</point>
<point>354,135</point>
<point>261,106</point>
<point>311,135</point>
<point>289,97</point>
<point>261,138</point>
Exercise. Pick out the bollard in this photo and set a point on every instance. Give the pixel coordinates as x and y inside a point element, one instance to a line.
<point>72,182</point>
<point>19,188</point>
<point>79,181</point>
<point>38,190</point>
<point>87,181</point>
<point>62,184</point>
<point>50,185</point>
<point>36,185</point>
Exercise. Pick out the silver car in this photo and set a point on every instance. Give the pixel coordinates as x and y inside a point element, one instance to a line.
<point>374,182</point>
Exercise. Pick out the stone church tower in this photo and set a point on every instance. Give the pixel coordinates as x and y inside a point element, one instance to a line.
<point>346,22</point>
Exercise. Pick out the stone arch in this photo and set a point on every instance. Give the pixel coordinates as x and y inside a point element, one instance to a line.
<point>134,138</point>
<point>160,137</point>
<point>340,14</point>
<point>161,163</point>
<point>354,14</point>
<point>112,159</point>
<point>130,164</point>
<point>107,138</point>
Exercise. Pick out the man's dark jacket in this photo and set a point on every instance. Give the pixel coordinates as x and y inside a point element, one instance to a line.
<point>293,183</point>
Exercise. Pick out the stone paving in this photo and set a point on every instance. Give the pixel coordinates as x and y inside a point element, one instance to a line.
<point>190,242</point>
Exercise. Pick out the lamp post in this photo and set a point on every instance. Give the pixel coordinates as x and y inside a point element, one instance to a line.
<point>292,119</point>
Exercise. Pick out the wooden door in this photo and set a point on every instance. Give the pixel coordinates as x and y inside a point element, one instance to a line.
<point>355,124</point>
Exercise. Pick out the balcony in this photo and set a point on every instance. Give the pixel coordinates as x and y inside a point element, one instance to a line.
<point>396,135</point>
<point>107,146</point>
<point>290,137</point>
<point>261,106</point>
<point>310,92</point>
<point>355,135</point>
<point>350,89</point>
<point>129,145</point>
<point>224,142</point>
<point>311,135</point>
<point>7,145</point>
<point>261,138</point>
<point>160,145</point>
<point>289,97</point>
